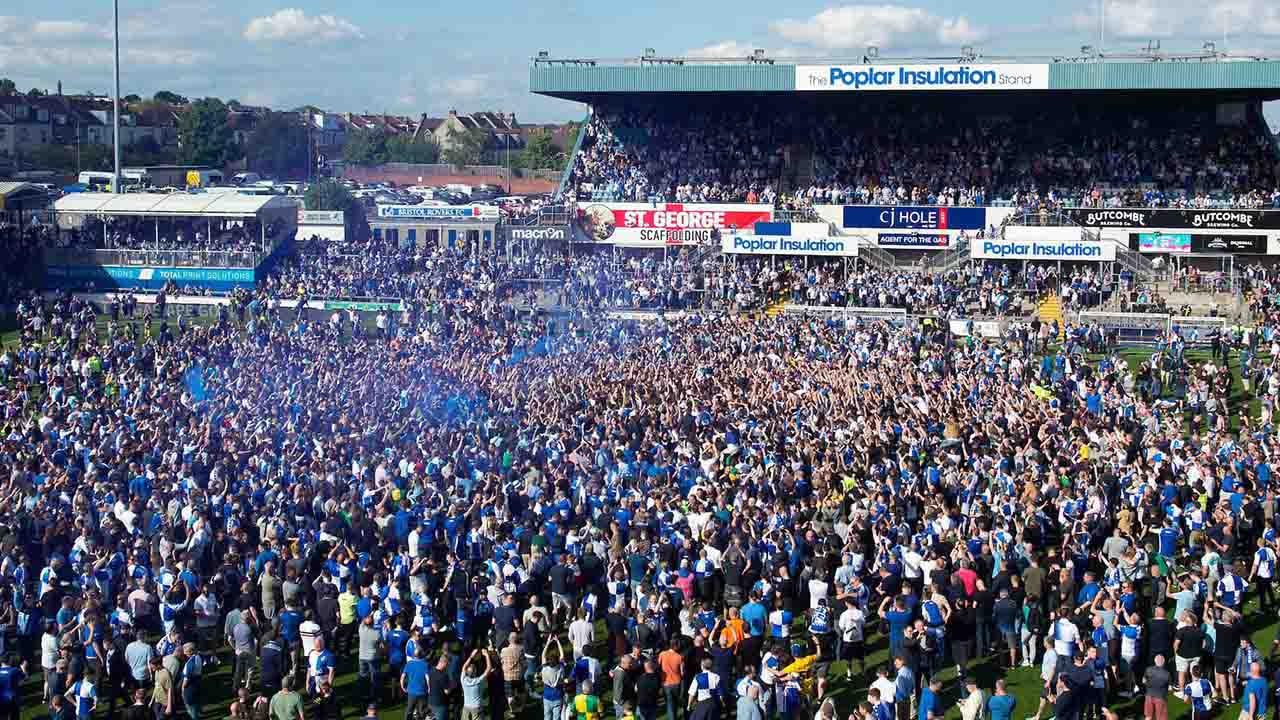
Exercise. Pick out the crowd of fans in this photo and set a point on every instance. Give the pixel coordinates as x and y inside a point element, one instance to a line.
<point>453,503</point>
<point>141,233</point>
<point>885,150</point>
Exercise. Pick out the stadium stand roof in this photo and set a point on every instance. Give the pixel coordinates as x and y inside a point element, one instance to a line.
<point>185,204</point>
<point>583,79</point>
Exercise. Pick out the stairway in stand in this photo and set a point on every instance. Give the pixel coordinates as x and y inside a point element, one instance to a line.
<point>1049,310</point>
<point>776,308</point>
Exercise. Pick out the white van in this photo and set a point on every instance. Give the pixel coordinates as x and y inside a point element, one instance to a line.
<point>245,178</point>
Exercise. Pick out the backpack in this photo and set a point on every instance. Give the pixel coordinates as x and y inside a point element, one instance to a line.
<point>1036,620</point>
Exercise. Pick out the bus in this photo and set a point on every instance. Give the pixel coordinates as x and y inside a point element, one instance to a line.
<point>101,181</point>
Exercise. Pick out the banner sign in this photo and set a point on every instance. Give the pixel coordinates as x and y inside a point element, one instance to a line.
<point>1069,250</point>
<point>761,245</point>
<point>452,212</point>
<point>1158,242</point>
<point>648,224</point>
<point>1175,219</point>
<point>321,217</point>
<point>914,218</point>
<point>555,233</point>
<point>362,306</point>
<point>790,229</point>
<point>928,241</point>
<point>888,76</point>
<point>1232,244</point>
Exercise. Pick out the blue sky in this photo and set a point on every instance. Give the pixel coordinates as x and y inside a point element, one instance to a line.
<point>411,57</point>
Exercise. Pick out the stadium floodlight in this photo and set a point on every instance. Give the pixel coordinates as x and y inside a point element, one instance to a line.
<point>1210,48</point>
<point>1088,51</point>
<point>967,54</point>
<point>873,51</point>
<point>650,52</point>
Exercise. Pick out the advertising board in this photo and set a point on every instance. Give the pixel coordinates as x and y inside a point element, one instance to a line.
<point>656,225</point>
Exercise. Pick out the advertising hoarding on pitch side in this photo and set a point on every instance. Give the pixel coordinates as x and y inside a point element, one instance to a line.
<point>889,76</point>
<point>910,217</point>
<point>451,212</point>
<point>1160,242</point>
<point>914,239</point>
<point>1229,244</point>
<point>1175,219</point>
<point>544,233</point>
<point>656,225</point>
<point>782,245</point>
<point>1049,249</point>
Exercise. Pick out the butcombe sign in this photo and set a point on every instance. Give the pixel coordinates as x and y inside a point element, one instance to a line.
<point>1174,219</point>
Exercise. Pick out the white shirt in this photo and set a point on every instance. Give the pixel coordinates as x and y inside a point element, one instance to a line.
<point>852,622</point>
<point>581,633</point>
<point>207,610</point>
<point>886,688</point>
<point>817,591</point>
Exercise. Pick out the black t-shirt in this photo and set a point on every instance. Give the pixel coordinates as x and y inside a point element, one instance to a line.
<point>1227,641</point>
<point>1160,637</point>
<point>437,684</point>
<point>504,619</point>
<point>1191,642</point>
<point>561,578</point>
<point>648,690</point>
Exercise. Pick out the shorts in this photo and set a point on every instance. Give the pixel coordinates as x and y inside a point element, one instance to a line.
<point>1184,664</point>
<point>1155,709</point>
<point>1222,665</point>
<point>853,650</point>
<point>1011,639</point>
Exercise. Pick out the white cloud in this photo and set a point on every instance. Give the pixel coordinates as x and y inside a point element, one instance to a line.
<point>726,49</point>
<point>292,24</point>
<point>1243,16</point>
<point>1130,19</point>
<point>466,85</point>
<point>857,26</point>
<point>63,28</point>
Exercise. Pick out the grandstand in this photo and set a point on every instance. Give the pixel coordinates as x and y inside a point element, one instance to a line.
<point>1149,167</point>
<point>1147,131</point>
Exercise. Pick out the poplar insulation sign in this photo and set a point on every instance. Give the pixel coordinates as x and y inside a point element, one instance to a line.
<point>655,225</point>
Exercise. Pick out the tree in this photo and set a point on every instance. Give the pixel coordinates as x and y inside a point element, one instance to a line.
<point>366,147</point>
<point>169,97</point>
<point>133,98</point>
<point>464,147</point>
<point>405,149</point>
<point>540,154</point>
<point>330,194</point>
<point>36,92</point>
<point>7,87</point>
<point>277,146</point>
<point>204,138</point>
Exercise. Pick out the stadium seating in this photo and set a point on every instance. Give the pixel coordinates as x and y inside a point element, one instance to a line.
<point>884,150</point>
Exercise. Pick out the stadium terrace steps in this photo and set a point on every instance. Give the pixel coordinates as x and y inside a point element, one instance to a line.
<point>776,308</point>
<point>1050,309</point>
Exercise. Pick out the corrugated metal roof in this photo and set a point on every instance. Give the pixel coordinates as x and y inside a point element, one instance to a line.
<point>557,79</point>
<point>211,204</point>
<point>7,188</point>
<point>1165,76</point>
<point>578,81</point>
